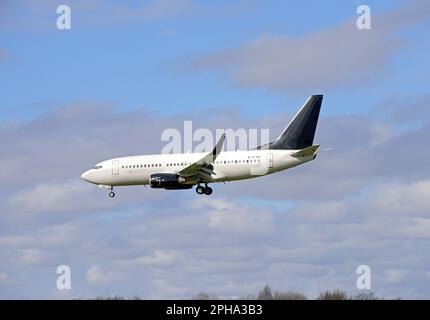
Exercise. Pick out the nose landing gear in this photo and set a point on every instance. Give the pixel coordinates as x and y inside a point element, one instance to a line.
<point>111,193</point>
<point>204,190</point>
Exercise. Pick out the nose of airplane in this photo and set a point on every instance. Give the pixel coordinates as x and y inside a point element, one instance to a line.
<point>86,176</point>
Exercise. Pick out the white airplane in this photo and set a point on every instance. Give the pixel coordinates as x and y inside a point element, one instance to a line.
<point>184,170</point>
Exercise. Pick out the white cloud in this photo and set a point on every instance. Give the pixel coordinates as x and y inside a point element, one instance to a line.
<point>381,133</point>
<point>336,57</point>
<point>412,199</point>
<point>159,258</point>
<point>4,278</point>
<point>348,208</point>
<point>31,256</point>
<point>95,275</point>
<point>227,215</point>
<point>395,275</point>
<point>50,197</point>
<point>321,211</point>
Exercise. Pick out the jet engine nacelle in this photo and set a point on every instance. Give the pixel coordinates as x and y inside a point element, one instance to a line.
<point>167,181</point>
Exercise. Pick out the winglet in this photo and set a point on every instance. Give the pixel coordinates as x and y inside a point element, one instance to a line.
<point>218,147</point>
<point>210,157</point>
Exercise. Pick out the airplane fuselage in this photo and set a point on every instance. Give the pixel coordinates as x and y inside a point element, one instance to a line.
<point>228,166</point>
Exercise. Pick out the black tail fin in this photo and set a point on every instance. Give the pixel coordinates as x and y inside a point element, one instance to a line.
<point>301,131</point>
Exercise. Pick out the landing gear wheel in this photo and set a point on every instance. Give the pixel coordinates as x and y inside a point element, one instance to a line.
<point>200,189</point>
<point>111,194</point>
<point>208,191</point>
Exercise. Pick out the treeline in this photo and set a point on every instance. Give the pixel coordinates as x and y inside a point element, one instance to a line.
<point>268,294</point>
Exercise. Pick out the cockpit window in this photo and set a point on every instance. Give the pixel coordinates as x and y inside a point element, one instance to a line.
<point>97,167</point>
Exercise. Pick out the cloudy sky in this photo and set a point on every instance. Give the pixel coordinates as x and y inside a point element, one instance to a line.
<point>126,71</point>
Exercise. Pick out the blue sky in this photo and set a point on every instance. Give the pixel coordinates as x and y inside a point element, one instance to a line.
<point>128,70</point>
<point>144,63</point>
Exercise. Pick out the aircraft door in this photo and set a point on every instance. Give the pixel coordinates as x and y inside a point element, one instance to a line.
<point>115,167</point>
<point>270,160</point>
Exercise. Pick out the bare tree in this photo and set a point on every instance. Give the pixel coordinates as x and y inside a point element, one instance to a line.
<point>367,295</point>
<point>333,295</point>
<point>289,295</point>
<point>265,294</point>
<point>205,296</point>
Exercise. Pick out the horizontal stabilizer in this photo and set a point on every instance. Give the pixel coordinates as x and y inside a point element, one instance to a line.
<point>306,151</point>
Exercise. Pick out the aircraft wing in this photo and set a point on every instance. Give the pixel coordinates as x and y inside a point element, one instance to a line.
<point>203,168</point>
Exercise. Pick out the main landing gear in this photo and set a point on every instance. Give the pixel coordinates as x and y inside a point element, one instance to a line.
<point>111,193</point>
<point>204,190</point>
